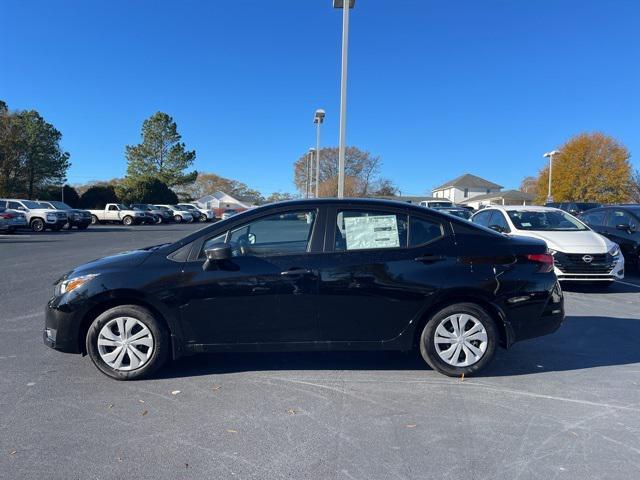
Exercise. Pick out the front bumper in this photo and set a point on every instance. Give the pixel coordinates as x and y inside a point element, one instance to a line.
<point>61,329</point>
<point>608,271</point>
<point>58,222</point>
<point>79,222</point>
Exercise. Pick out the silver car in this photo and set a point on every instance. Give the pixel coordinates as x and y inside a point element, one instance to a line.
<point>11,220</point>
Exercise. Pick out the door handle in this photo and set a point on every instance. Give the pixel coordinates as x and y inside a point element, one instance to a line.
<point>429,258</point>
<point>296,272</point>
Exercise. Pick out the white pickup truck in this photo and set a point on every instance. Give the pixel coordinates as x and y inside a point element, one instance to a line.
<point>117,213</point>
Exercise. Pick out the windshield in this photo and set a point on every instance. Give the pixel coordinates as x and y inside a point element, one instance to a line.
<point>30,204</point>
<point>552,220</point>
<point>466,214</point>
<point>60,205</point>
<point>160,207</point>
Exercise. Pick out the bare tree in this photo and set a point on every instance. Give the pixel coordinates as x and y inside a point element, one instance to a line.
<point>362,173</point>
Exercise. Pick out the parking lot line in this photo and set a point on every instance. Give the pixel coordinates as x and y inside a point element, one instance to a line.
<point>627,283</point>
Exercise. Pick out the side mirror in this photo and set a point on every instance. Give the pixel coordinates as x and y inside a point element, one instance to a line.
<point>218,252</point>
<point>625,227</point>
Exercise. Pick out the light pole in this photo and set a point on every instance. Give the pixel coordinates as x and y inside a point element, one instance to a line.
<point>318,118</point>
<point>550,156</point>
<point>346,5</point>
<point>309,161</point>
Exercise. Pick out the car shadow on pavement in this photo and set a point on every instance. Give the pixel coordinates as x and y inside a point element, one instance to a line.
<point>582,342</point>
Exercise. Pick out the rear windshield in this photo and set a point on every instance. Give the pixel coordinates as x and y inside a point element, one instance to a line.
<point>552,220</point>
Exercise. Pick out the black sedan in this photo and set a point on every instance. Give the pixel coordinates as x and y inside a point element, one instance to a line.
<point>311,275</point>
<point>619,223</point>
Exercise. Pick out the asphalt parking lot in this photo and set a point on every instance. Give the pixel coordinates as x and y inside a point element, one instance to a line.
<point>565,406</point>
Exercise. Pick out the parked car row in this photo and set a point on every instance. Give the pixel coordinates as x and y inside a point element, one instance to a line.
<point>38,216</point>
<point>54,215</point>
<point>138,213</point>
<point>580,254</point>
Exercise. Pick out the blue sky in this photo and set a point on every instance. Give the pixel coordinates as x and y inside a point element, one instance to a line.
<point>436,88</point>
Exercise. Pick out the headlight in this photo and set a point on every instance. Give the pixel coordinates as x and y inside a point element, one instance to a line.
<point>615,251</point>
<point>51,218</point>
<point>71,284</point>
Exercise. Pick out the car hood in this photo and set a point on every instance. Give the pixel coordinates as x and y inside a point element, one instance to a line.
<point>122,260</point>
<point>44,211</point>
<point>585,241</point>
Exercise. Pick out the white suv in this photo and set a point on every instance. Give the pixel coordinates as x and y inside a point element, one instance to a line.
<point>38,218</point>
<point>579,253</point>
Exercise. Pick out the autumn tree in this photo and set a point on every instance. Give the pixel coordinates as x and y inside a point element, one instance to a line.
<point>208,183</point>
<point>362,173</point>
<point>161,154</point>
<point>589,167</point>
<point>279,197</point>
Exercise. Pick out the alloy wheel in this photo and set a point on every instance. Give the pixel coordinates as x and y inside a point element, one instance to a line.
<point>125,344</point>
<point>461,340</point>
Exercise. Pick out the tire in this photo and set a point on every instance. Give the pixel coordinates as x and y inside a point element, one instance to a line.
<point>154,353</point>
<point>159,220</point>
<point>128,221</point>
<point>475,315</point>
<point>177,218</point>
<point>37,225</point>
<point>203,219</point>
<point>94,220</point>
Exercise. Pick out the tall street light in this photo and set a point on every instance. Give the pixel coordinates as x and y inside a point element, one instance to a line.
<point>550,156</point>
<point>345,5</point>
<point>318,118</point>
<point>309,162</point>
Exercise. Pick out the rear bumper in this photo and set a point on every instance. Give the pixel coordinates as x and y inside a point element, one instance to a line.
<point>542,314</point>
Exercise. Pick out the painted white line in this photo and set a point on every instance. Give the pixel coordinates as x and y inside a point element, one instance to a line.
<point>25,317</point>
<point>627,283</point>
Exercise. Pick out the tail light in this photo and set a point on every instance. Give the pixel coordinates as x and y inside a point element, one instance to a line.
<point>545,261</point>
<point>6,215</point>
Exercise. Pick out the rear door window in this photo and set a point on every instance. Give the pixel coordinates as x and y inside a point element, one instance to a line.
<point>365,230</point>
<point>423,231</point>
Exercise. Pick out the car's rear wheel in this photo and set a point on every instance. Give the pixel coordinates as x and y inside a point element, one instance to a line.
<point>94,220</point>
<point>459,339</point>
<point>37,225</point>
<point>127,342</point>
<point>203,218</point>
<point>177,218</point>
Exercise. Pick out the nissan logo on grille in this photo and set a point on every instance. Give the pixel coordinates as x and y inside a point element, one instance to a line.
<point>587,259</point>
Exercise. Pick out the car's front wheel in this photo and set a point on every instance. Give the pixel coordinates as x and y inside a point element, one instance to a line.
<point>37,225</point>
<point>127,220</point>
<point>459,339</point>
<point>127,342</point>
<point>177,218</point>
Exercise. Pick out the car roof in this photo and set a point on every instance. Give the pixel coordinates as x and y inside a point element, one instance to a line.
<point>520,208</point>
